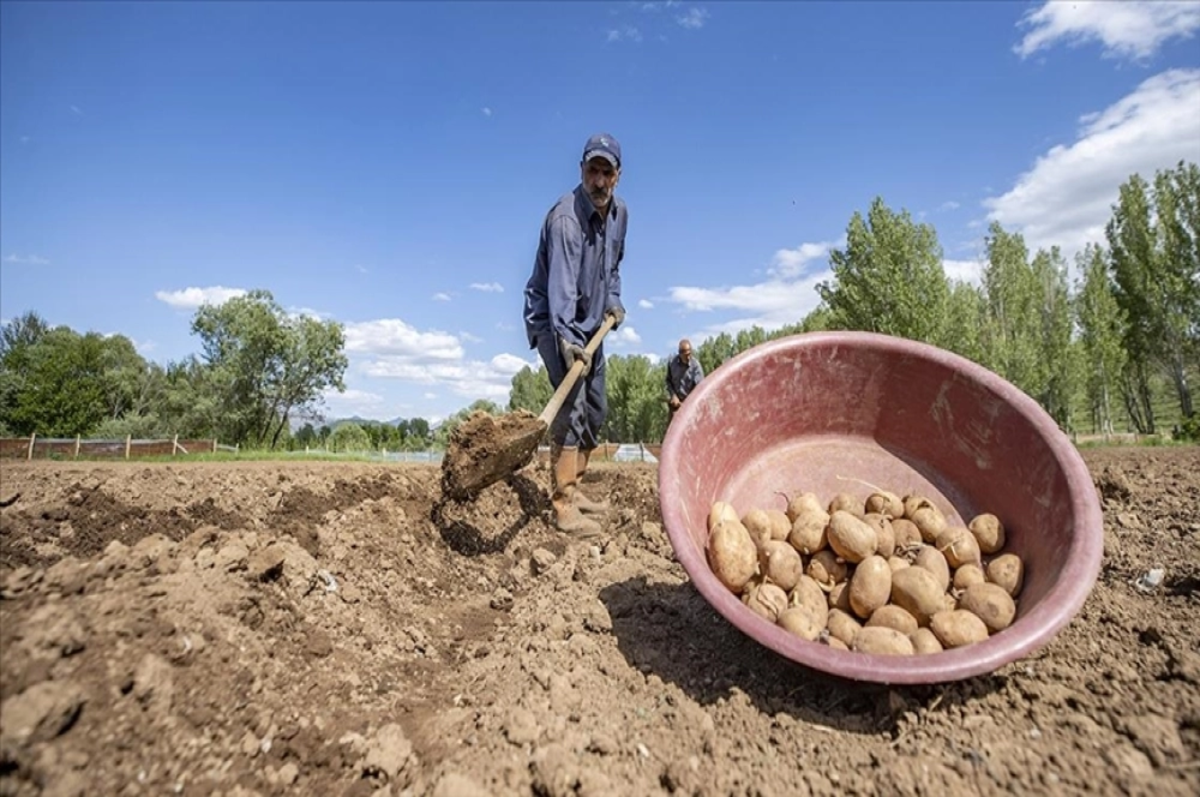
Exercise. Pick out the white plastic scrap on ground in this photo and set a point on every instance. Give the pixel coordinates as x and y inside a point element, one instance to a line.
<point>1150,581</point>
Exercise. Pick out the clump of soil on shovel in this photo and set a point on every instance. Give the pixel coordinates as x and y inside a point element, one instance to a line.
<point>485,449</point>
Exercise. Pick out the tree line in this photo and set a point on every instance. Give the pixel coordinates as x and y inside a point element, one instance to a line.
<point>1115,349</point>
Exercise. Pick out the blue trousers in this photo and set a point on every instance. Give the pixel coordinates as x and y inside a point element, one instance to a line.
<point>578,422</point>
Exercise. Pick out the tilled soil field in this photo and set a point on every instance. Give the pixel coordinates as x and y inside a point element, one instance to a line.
<point>330,629</point>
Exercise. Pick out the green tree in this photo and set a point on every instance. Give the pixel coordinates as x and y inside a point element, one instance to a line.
<point>1101,326</point>
<point>349,437</point>
<point>1012,335</point>
<point>62,389</point>
<point>637,410</point>
<point>268,364</point>
<point>965,313</point>
<point>531,390</point>
<point>17,339</point>
<point>1059,370</point>
<point>889,278</point>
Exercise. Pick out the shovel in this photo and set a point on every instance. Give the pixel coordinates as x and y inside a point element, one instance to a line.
<point>485,449</point>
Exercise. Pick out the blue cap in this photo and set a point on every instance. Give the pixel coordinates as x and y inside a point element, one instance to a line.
<point>604,146</point>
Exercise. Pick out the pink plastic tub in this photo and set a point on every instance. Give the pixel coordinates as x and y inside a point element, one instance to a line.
<point>820,411</point>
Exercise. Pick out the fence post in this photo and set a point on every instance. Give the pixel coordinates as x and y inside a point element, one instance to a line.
<point>76,446</point>
<point>128,441</point>
<point>174,444</point>
<point>32,437</point>
<point>214,445</point>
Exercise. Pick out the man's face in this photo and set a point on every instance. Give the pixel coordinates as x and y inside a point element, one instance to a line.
<point>600,180</point>
<point>685,354</point>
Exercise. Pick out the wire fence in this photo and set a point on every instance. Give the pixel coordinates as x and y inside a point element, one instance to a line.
<point>34,447</point>
<point>60,448</point>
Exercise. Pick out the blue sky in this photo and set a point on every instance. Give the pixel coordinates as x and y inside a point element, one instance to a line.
<point>388,165</point>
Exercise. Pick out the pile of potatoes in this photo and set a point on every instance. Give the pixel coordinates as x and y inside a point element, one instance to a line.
<point>886,576</point>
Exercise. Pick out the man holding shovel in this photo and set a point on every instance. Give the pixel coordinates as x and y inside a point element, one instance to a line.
<point>576,282</point>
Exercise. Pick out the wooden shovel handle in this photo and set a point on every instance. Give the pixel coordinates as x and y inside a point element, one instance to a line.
<point>560,395</point>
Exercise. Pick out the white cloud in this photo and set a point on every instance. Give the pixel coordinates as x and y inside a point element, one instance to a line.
<point>429,395</point>
<point>949,205</point>
<point>626,336</point>
<point>469,338</point>
<point>1066,198</point>
<point>441,297</point>
<point>693,19</point>
<point>645,304</point>
<point>785,298</point>
<point>628,33</point>
<point>486,111</point>
<point>473,379</point>
<point>297,312</point>
<point>391,337</point>
<point>361,269</point>
<point>27,260</point>
<point>487,287</point>
<point>25,139</point>
<point>1126,29</point>
<point>788,263</point>
<point>75,110</point>
<point>192,298</point>
<point>964,270</point>
<point>353,402</point>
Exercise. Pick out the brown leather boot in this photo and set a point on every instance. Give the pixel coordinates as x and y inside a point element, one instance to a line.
<point>584,503</point>
<point>568,518</point>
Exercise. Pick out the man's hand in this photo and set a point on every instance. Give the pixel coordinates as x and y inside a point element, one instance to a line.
<point>618,314</point>
<point>572,352</point>
<point>674,402</point>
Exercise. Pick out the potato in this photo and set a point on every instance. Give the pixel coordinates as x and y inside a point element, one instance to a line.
<point>884,503</point>
<point>780,562</point>
<point>842,625</point>
<point>897,563</point>
<point>870,586</point>
<point>967,575</point>
<point>801,621</point>
<point>988,531</point>
<point>825,569</point>
<point>918,591</point>
<point>906,533</point>
<point>808,593</point>
<point>766,600</point>
<point>957,628</point>
<point>781,524</point>
<point>924,642</point>
<point>1007,571</point>
<point>807,534</point>
<point>850,537</point>
<point>839,597</point>
<point>929,520</point>
<point>883,641</point>
<point>836,643</point>
<point>958,545</point>
<point>846,503</point>
<point>912,502</point>
<point>721,510</point>
<point>802,504</point>
<point>932,560</point>
<point>892,616</point>
<point>991,603</point>
<point>758,523</point>
<point>732,555</point>
<point>885,536</point>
